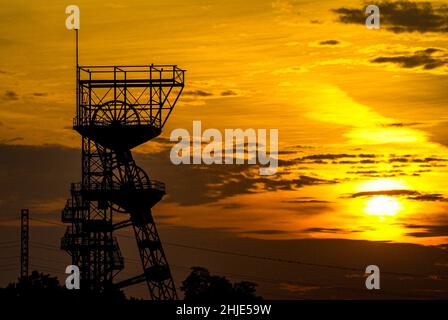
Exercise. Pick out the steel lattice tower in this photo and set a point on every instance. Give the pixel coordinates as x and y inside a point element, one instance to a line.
<point>24,237</point>
<point>119,108</point>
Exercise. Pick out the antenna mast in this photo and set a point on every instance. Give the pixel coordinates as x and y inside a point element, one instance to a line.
<point>25,236</point>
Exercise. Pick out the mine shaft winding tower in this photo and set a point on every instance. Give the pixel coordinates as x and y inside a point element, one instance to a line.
<point>117,109</point>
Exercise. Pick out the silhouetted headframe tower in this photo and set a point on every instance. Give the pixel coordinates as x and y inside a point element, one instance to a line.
<point>24,242</point>
<point>117,109</point>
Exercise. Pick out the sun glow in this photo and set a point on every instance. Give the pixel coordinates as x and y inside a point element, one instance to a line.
<point>383,184</point>
<point>382,206</point>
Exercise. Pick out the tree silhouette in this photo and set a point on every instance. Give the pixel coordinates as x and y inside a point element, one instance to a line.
<point>200,285</point>
<point>39,286</point>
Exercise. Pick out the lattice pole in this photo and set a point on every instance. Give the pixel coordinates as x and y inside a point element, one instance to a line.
<point>24,248</point>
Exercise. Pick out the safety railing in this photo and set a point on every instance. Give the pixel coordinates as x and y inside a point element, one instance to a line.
<point>86,121</point>
<point>115,186</point>
<point>129,75</point>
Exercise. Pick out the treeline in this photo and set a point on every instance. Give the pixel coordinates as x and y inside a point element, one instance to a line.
<point>199,285</point>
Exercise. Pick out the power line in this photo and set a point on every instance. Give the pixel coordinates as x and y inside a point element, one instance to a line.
<point>281,260</point>
<point>239,275</point>
<point>308,284</point>
<point>46,268</point>
<point>43,244</point>
<point>45,248</point>
<point>9,219</point>
<point>48,221</point>
<point>8,264</point>
<point>310,264</point>
<point>9,269</point>
<point>50,260</point>
<point>10,246</point>
<point>8,242</point>
<point>9,258</point>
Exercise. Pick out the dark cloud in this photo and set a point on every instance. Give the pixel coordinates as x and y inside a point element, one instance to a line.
<point>228,93</point>
<point>409,158</point>
<point>330,230</point>
<point>40,94</point>
<point>242,184</point>
<point>384,193</point>
<point>306,201</point>
<point>287,163</point>
<point>366,155</point>
<point>286,152</point>
<point>432,165</point>
<point>336,156</point>
<point>267,232</point>
<point>325,230</point>
<point>387,173</point>
<point>365,172</point>
<point>401,16</point>
<point>200,184</point>
<point>370,159</point>
<point>329,42</point>
<point>428,231</point>
<point>164,216</point>
<point>328,156</point>
<point>309,210</point>
<point>10,95</point>
<point>11,140</point>
<point>429,197</point>
<point>402,124</point>
<point>36,175</point>
<point>439,132</point>
<point>42,174</point>
<point>409,194</point>
<point>354,158</point>
<point>197,93</point>
<point>299,146</point>
<point>231,206</point>
<point>367,161</point>
<point>421,58</point>
<point>429,159</point>
<point>308,181</point>
<point>399,160</point>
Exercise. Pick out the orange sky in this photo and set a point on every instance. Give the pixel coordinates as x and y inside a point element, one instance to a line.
<point>362,114</point>
<point>274,59</point>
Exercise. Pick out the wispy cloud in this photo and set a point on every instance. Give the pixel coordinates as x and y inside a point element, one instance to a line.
<point>10,95</point>
<point>409,194</point>
<point>427,230</point>
<point>428,59</point>
<point>383,193</point>
<point>331,43</point>
<point>197,93</point>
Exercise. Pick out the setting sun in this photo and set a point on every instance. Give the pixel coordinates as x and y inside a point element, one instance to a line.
<point>382,206</point>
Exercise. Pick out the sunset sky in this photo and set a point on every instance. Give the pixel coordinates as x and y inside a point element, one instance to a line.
<point>362,118</point>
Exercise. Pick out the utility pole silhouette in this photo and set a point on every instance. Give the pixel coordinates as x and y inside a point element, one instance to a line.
<point>117,109</point>
<point>24,248</point>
